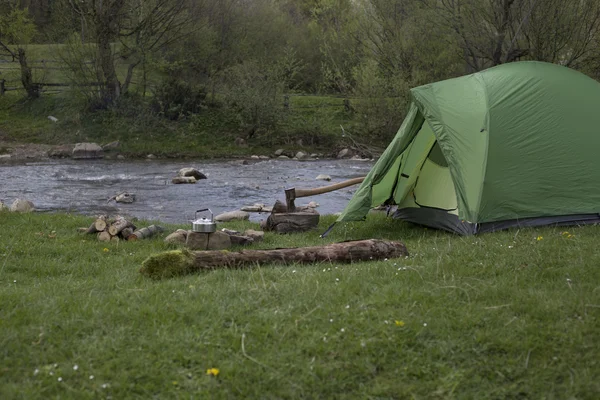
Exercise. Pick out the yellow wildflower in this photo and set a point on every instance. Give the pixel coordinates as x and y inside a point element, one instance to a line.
<point>105,250</point>
<point>399,323</point>
<point>212,371</point>
<point>540,238</point>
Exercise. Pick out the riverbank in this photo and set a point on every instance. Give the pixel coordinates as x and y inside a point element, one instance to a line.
<point>33,128</point>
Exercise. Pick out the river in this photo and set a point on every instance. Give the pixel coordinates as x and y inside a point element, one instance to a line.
<point>84,187</point>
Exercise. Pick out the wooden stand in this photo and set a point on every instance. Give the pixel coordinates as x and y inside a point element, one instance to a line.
<point>282,221</point>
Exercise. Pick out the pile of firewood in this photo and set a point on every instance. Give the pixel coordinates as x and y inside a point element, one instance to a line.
<point>119,228</point>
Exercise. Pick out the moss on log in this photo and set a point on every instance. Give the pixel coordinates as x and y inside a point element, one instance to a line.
<point>168,264</point>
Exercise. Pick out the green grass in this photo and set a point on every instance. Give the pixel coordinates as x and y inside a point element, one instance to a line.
<point>502,315</point>
<point>209,134</point>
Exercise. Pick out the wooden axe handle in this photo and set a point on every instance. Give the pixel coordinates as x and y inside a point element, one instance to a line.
<point>330,188</point>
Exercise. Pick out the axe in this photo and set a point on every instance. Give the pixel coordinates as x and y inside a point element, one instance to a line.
<point>292,193</point>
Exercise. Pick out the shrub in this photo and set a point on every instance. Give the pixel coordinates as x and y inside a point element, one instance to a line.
<point>175,99</point>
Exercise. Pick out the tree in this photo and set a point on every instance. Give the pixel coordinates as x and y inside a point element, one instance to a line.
<point>16,30</point>
<point>125,31</point>
<point>492,32</point>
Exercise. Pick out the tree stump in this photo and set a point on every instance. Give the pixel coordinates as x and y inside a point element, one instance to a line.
<point>289,222</point>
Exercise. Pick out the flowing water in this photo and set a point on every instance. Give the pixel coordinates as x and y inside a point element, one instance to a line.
<point>85,186</point>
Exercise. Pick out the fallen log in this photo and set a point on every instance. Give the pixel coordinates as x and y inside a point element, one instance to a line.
<point>145,232</point>
<point>181,262</point>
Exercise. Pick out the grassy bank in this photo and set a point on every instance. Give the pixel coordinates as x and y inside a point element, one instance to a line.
<point>311,124</point>
<point>507,315</point>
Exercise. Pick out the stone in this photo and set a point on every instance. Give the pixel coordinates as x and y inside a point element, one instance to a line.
<point>2,206</point>
<point>191,172</point>
<point>258,236</point>
<point>87,151</point>
<point>5,156</point>
<point>125,198</point>
<point>183,179</point>
<point>22,205</point>
<point>314,155</point>
<point>53,119</point>
<point>257,207</point>
<point>241,142</point>
<point>62,151</point>
<point>264,157</point>
<point>344,153</point>
<point>359,158</point>
<point>241,240</point>
<point>120,157</point>
<point>232,216</point>
<point>278,152</point>
<point>218,241</point>
<point>301,155</point>
<point>313,204</point>
<point>254,157</point>
<point>111,146</point>
<point>177,237</point>
<point>283,157</point>
<point>323,177</point>
<point>197,240</point>
<point>151,157</point>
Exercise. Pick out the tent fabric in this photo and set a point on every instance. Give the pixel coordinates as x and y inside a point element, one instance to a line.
<point>519,141</point>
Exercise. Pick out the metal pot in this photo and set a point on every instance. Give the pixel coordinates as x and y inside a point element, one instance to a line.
<point>204,225</point>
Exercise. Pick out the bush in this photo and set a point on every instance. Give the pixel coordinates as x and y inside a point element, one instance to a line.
<point>381,104</point>
<point>175,99</point>
<point>254,94</point>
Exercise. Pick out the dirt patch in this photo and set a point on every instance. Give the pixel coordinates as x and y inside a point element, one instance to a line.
<point>23,151</point>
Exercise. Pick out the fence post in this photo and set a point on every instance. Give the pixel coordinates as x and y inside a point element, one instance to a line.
<point>2,87</point>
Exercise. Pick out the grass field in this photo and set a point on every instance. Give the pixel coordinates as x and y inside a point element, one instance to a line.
<point>508,315</point>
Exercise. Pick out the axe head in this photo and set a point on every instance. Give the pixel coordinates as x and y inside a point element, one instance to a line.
<point>290,196</point>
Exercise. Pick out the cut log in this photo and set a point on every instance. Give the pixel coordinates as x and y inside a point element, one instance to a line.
<point>104,236</point>
<point>145,232</point>
<point>119,224</point>
<point>178,262</point>
<point>100,223</point>
<point>126,232</point>
<point>90,229</point>
<point>299,221</point>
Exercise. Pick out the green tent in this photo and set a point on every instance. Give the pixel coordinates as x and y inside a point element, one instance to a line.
<point>514,145</point>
